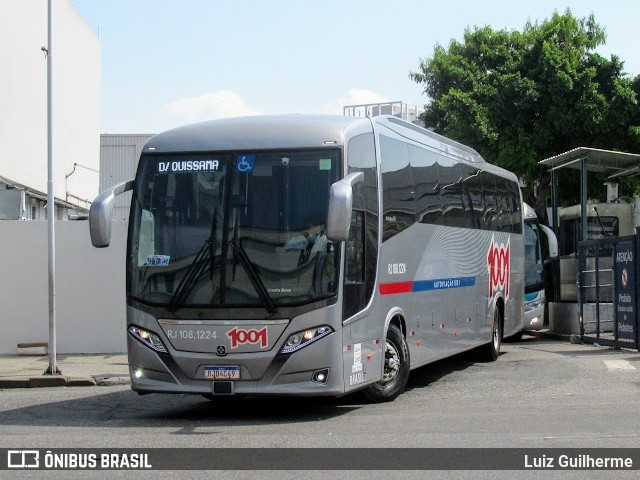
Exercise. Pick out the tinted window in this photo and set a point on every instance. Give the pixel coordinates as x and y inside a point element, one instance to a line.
<point>445,192</point>
<point>397,197</point>
<point>218,230</point>
<point>490,205</point>
<point>504,205</point>
<point>473,190</point>
<point>426,178</point>
<point>451,195</point>
<point>362,246</point>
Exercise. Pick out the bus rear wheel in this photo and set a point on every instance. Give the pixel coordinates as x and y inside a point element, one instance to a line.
<point>491,351</point>
<point>396,369</point>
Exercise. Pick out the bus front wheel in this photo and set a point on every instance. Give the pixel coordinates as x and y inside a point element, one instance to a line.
<point>396,369</point>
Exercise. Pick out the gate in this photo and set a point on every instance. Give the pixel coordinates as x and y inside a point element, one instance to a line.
<point>608,296</point>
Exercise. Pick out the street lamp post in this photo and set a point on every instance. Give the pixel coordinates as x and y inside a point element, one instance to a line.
<point>51,205</point>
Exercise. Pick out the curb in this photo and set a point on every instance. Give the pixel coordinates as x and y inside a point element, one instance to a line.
<point>62,381</point>
<point>109,380</point>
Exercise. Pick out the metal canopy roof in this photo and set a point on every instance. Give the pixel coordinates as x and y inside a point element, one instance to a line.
<point>616,164</point>
<point>613,164</point>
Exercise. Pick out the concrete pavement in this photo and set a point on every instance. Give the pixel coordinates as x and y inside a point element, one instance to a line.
<point>25,371</point>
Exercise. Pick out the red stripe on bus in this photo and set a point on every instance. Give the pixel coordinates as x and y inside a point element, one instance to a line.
<point>398,287</point>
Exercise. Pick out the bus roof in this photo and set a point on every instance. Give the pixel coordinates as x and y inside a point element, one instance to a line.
<point>427,137</point>
<point>264,132</point>
<point>256,133</point>
<point>438,142</point>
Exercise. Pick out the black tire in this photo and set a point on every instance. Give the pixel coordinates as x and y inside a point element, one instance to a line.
<point>491,351</point>
<point>396,369</point>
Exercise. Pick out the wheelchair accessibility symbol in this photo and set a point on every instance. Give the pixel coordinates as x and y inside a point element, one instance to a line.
<point>245,163</point>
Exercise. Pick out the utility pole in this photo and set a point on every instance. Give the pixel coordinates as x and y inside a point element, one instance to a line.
<point>51,205</point>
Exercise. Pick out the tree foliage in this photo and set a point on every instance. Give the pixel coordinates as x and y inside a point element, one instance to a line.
<point>519,97</point>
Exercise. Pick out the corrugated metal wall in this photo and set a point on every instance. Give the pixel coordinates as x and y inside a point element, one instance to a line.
<point>119,155</point>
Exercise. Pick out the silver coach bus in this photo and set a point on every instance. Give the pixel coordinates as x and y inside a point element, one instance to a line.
<point>313,255</point>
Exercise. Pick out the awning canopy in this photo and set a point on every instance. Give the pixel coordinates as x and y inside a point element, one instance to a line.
<point>584,159</point>
<point>615,164</point>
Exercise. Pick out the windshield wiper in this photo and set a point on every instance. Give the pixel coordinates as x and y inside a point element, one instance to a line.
<point>240,254</point>
<point>203,259</point>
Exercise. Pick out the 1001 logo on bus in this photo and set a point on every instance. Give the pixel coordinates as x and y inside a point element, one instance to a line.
<point>499,266</point>
<point>239,336</point>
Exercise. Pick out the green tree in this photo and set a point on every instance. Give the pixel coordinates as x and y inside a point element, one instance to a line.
<point>519,97</point>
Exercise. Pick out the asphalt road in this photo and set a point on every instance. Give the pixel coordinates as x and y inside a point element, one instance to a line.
<point>540,393</point>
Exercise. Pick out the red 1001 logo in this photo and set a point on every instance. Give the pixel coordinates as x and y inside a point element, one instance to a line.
<point>252,336</point>
<point>499,266</point>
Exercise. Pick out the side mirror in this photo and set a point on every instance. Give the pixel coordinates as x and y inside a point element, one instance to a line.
<point>340,206</point>
<point>101,211</point>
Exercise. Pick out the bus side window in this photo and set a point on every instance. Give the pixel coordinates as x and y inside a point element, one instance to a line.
<point>490,203</point>
<point>425,174</point>
<point>503,205</point>
<point>354,286</point>
<point>452,196</point>
<point>355,250</point>
<point>397,193</point>
<point>473,193</point>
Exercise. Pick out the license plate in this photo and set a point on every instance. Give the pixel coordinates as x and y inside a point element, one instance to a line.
<point>222,373</point>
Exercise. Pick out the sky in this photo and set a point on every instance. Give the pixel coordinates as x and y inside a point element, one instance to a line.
<point>166,63</point>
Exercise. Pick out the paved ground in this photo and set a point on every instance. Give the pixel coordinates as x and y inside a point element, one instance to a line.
<point>17,371</point>
<point>541,394</point>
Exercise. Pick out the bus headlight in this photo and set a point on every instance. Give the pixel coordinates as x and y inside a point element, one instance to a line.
<point>300,340</point>
<point>150,339</point>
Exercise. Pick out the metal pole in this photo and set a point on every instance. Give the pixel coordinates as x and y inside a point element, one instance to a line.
<point>636,266</point>
<point>51,207</point>
<point>555,223</point>
<point>584,199</point>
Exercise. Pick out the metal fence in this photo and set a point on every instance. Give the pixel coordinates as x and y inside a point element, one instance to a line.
<point>607,291</point>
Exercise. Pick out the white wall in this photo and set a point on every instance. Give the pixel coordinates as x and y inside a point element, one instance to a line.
<point>90,288</point>
<point>23,97</point>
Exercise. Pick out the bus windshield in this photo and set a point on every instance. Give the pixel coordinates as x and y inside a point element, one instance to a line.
<point>239,229</point>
